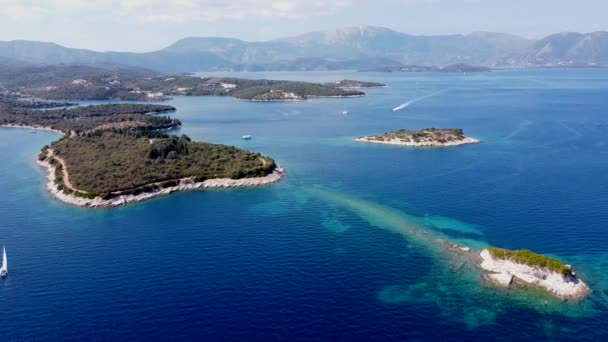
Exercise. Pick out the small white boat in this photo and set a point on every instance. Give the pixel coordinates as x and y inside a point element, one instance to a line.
<point>4,269</point>
<point>246,137</point>
<point>345,111</point>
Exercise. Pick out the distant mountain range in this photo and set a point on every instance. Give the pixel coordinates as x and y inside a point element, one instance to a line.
<point>564,49</point>
<point>364,47</point>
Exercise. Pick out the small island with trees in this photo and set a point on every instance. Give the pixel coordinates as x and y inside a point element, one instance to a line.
<point>524,268</point>
<point>521,270</point>
<point>428,137</point>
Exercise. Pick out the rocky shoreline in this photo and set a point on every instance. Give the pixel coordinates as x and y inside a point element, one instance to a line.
<point>506,274</point>
<point>399,142</point>
<point>185,184</point>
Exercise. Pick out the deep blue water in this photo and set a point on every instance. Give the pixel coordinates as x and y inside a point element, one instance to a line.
<point>326,254</point>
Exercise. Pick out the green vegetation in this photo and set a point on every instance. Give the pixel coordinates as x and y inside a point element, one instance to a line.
<point>424,135</point>
<point>357,84</point>
<point>38,76</point>
<point>88,118</point>
<point>118,149</point>
<point>98,161</point>
<point>302,90</point>
<point>530,258</point>
<point>61,83</point>
<point>159,87</point>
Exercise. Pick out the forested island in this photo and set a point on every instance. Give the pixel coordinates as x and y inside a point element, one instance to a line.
<point>102,144</point>
<point>428,137</point>
<point>352,84</point>
<point>71,83</point>
<point>523,268</point>
<point>265,90</point>
<point>156,163</point>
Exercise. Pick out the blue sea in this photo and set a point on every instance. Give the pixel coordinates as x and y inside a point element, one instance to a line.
<point>344,248</point>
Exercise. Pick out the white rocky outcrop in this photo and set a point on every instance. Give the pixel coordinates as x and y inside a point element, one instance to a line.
<point>401,142</point>
<point>504,272</point>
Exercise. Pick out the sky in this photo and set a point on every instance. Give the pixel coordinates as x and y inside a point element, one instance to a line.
<point>148,25</point>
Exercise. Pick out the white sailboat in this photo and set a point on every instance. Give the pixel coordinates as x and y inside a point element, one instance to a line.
<point>345,111</point>
<point>4,269</point>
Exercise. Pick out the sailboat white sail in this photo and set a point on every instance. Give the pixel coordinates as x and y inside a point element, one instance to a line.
<point>4,269</point>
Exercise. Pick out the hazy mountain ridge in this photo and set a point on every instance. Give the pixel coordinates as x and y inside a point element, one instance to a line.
<point>363,47</point>
<point>566,49</point>
<point>359,43</point>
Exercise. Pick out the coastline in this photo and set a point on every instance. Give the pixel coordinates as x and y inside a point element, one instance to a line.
<point>337,96</point>
<point>308,98</point>
<point>399,142</point>
<point>185,184</point>
<point>359,88</point>
<point>281,100</point>
<point>37,128</point>
<point>506,273</point>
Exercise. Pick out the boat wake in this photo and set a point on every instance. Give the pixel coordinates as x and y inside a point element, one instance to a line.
<point>402,106</point>
<point>289,112</point>
<point>522,126</point>
<point>408,103</point>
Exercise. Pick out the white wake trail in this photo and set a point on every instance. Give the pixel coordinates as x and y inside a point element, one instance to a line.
<point>408,103</point>
<point>401,106</point>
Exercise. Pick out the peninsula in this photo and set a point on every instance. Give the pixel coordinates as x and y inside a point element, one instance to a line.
<point>73,83</point>
<point>103,143</point>
<point>507,268</point>
<point>428,137</point>
<point>77,120</point>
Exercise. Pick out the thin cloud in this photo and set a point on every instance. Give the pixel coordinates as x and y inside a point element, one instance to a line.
<point>19,10</point>
<point>178,10</point>
<point>212,10</point>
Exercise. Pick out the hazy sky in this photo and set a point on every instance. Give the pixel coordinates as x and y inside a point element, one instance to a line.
<point>144,25</point>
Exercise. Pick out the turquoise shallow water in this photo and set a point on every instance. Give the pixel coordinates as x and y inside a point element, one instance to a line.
<point>344,247</point>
